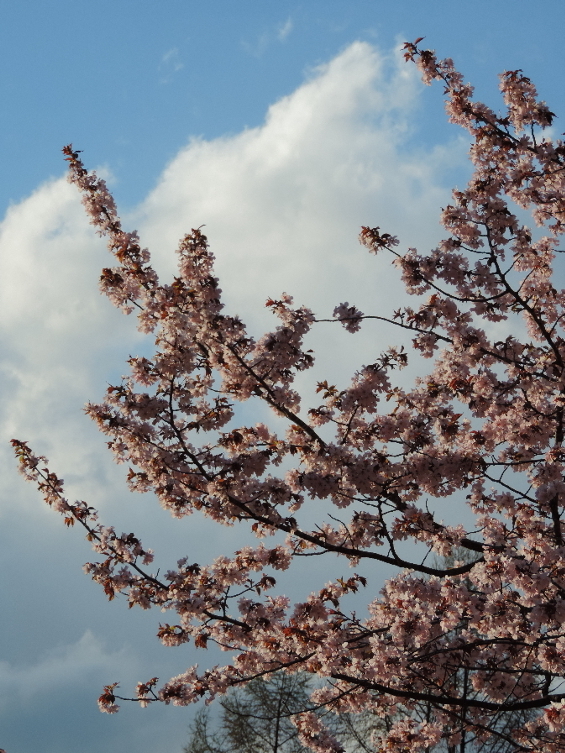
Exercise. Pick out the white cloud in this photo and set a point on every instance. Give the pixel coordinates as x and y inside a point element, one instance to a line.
<point>282,205</point>
<point>61,667</point>
<point>170,64</point>
<point>60,339</point>
<point>172,59</point>
<point>264,40</point>
<point>258,46</point>
<point>285,29</point>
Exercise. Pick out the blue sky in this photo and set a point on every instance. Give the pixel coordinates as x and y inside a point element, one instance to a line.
<point>281,126</point>
<point>128,82</point>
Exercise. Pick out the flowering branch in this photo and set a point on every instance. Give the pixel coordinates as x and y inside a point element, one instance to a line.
<point>485,423</point>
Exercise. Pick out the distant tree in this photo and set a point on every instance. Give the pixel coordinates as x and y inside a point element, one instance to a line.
<point>465,647</point>
<point>254,719</point>
<point>257,718</point>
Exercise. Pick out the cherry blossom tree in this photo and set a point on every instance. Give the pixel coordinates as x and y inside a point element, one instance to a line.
<point>483,428</point>
<point>257,718</point>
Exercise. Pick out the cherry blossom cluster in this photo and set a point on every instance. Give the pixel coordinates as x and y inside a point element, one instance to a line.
<point>450,646</point>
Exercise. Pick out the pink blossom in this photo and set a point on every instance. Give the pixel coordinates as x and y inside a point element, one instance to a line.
<point>482,427</point>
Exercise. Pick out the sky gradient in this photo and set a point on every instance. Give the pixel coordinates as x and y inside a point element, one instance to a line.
<point>280,126</point>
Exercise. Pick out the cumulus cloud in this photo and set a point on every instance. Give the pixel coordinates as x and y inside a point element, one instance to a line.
<point>60,667</point>
<point>49,705</point>
<point>55,329</point>
<point>282,205</point>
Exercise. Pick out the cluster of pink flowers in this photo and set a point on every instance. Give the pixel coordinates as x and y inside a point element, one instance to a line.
<point>486,422</point>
